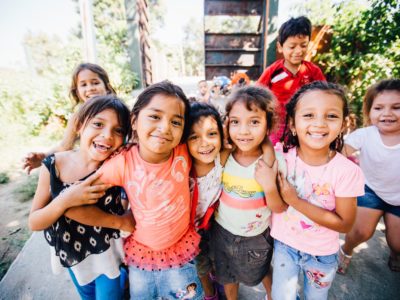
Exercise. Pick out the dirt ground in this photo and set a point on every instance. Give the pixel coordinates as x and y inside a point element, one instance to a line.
<point>13,222</point>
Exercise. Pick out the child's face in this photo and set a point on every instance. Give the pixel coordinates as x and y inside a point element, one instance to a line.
<point>247,128</point>
<point>204,140</point>
<point>159,127</point>
<point>101,135</point>
<point>318,119</point>
<point>294,49</point>
<point>89,85</point>
<point>203,88</point>
<point>385,112</point>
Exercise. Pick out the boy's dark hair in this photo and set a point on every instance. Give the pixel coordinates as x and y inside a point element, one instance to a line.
<point>199,110</point>
<point>165,88</point>
<point>257,96</point>
<point>288,139</point>
<point>372,93</point>
<point>294,27</point>
<point>97,104</point>
<point>73,91</point>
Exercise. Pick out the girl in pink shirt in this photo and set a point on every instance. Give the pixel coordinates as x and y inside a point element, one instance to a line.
<point>155,176</point>
<point>320,189</point>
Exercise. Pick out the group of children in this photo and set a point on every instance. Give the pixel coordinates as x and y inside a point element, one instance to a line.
<point>202,202</point>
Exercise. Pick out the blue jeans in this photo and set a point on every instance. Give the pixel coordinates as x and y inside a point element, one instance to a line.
<point>318,272</point>
<point>102,288</point>
<point>174,283</point>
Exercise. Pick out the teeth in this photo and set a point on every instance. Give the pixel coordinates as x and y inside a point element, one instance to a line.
<point>317,135</point>
<point>101,147</point>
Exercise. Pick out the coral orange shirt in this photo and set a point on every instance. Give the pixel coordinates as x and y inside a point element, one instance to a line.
<point>158,194</point>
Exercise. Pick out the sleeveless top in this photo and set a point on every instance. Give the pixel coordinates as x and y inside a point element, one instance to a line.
<point>71,240</point>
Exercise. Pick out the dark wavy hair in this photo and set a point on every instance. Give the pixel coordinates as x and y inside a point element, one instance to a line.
<point>73,91</point>
<point>165,88</point>
<point>199,110</point>
<point>257,96</point>
<point>294,27</point>
<point>97,104</point>
<point>373,91</point>
<point>288,139</point>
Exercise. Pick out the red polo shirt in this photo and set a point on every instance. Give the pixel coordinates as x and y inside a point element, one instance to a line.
<point>284,84</point>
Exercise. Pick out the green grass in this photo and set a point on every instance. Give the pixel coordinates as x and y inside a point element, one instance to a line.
<point>27,188</point>
<point>4,178</point>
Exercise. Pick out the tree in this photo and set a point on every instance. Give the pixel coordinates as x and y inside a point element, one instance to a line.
<point>365,47</point>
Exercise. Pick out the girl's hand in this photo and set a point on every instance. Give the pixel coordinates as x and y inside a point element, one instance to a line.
<point>85,192</point>
<point>127,222</point>
<point>265,175</point>
<point>288,192</point>
<point>32,161</point>
<point>225,128</point>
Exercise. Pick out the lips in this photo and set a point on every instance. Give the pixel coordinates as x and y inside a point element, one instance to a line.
<point>206,152</point>
<point>317,135</point>
<point>161,138</point>
<point>101,147</point>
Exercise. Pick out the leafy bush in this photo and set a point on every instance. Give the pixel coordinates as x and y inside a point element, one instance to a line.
<point>365,47</point>
<point>26,190</point>
<point>4,178</point>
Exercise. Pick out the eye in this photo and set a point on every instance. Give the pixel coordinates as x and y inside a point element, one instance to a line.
<point>193,137</point>
<point>332,116</point>
<point>308,116</point>
<point>119,131</point>
<point>377,108</point>
<point>154,117</point>
<point>97,124</point>
<point>233,122</point>
<point>254,122</point>
<point>213,133</point>
<point>176,123</point>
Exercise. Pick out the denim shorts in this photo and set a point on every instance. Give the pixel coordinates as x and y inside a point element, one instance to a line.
<point>240,259</point>
<point>203,261</point>
<point>372,200</point>
<point>318,273</point>
<point>173,283</point>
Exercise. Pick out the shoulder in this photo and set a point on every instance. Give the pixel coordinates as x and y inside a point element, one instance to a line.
<point>314,70</point>
<point>266,75</point>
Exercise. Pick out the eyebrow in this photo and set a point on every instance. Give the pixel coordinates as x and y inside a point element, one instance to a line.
<point>161,111</point>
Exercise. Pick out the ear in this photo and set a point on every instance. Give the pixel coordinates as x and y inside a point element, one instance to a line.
<point>133,123</point>
<point>280,48</point>
<point>291,125</point>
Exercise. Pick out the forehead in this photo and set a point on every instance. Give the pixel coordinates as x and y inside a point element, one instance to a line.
<point>240,109</point>
<point>387,97</point>
<point>87,74</point>
<point>317,100</point>
<point>297,39</point>
<point>205,123</point>
<point>166,104</point>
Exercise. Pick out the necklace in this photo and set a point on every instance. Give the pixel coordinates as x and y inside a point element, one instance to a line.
<point>294,176</point>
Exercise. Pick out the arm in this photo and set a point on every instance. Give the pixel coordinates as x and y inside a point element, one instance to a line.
<point>34,159</point>
<point>348,150</point>
<point>44,212</point>
<point>268,152</point>
<point>93,216</point>
<point>266,177</point>
<point>340,220</point>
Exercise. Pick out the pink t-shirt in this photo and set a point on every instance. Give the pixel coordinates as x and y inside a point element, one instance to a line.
<point>319,185</point>
<point>158,194</point>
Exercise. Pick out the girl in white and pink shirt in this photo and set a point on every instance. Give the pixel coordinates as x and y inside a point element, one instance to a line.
<point>320,189</point>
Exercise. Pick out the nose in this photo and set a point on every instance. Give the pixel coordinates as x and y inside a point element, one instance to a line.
<point>107,133</point>
<point>244,129</point>
<point>319,121</point>
<point>164,125</point>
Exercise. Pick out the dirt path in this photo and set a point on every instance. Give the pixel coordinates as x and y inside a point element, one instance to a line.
<point>13,223</point>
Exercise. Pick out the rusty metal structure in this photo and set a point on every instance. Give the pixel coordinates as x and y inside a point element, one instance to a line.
<point>138,40</point>
<point>226,53</point>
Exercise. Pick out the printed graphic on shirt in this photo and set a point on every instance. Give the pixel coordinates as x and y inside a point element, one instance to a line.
<point>279,77</point>
<point>319,194</point>
<point>188,293</point>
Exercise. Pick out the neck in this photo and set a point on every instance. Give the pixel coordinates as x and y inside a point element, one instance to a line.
<point>292,68</point>
<point>314,157</point>
<point>202,168</point>
<point>246,158</point>
<point>154,158</point>
<point>85,162</point>
<point>390,139</point>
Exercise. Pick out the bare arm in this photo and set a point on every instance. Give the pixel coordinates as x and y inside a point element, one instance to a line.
<point>93,216</point>
<point>44,212</point>
<point>33,159</point>
<point>348,150</point>
<point>266,177</point>
<point>340,220</point>
<point>268,152</point>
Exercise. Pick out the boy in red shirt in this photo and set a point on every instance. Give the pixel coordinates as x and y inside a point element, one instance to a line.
<point>286,75</point>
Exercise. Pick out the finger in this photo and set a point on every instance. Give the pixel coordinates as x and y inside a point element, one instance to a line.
<point>92,178</point>
<point>99,188</point>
